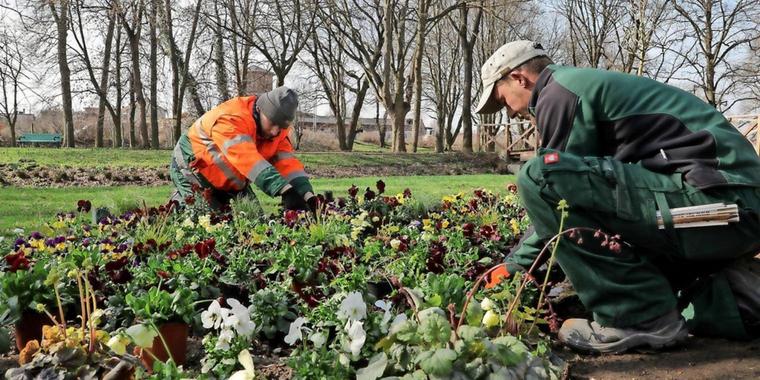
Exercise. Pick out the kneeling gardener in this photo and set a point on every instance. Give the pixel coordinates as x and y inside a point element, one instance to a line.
<point>242,141</point>
<point>623,150</point>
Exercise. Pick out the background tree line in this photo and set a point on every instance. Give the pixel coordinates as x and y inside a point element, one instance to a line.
<point>406,57</point>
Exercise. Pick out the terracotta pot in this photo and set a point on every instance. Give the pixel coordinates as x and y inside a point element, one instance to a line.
<point>29,327</point>
<point>175,335</point>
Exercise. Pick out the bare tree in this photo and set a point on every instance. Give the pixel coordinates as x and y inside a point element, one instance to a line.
<point>468,29</point>
<point>339,80</point>
<point>12,65</point>
<point>219,28</point>
<point>381,28</point>
<point>721,30</point>
<point>60,13</point>
<point>424,21</point>
<point>118,139</point>
<point>277,29</point>
<point>131,17</point>
<point>153,67</point>
<point>444,68</point>
<point>81,38</point>
<point>635,34</point>
<point>182,78</point>
<point>591,25</point>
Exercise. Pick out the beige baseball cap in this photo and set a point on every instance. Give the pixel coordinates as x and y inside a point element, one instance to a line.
<point>504,60</point>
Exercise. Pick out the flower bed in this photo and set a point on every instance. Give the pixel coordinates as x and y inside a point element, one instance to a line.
<point>372,286</point>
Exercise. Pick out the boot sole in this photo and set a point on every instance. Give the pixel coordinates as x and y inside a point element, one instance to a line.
<point>652,340</point>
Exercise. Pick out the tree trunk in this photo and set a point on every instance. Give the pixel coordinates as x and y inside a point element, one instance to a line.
<point>154,143</point>
<point>380,127</point>
<point>12,127</point>
<point>61,17</point>
<point>132,109</point>
<point>104,82</point>
<point>137,84</point>
<point>417,67</point>
<point>118,140</point>
<point>356,114</point>
<point>222,83</point>
<point>468,44</point>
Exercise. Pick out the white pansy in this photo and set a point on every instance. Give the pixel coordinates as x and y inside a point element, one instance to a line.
<point>294,333</point>
<point>240,318</point>
<point>214,316</point>
<point>18,231</point>
<point>357,337</point>
<point>386,307</point>
<point>353,307</point>
<point>395,243</point>
<point>247,373</point>
<point>225,338</point>
<point>142,335</point>
<point>208,364</point>
<point>318,338</point>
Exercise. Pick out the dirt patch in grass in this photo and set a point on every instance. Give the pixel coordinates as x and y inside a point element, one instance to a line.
<point>33,175</point>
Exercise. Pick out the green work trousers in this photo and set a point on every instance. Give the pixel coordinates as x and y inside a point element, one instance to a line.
<point>644,279</point>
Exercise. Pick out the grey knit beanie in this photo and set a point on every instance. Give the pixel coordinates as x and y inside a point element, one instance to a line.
<point>279,105</point>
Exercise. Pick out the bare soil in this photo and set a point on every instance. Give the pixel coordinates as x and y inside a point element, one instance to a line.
<point>33,175</point>
<point>698,358</point>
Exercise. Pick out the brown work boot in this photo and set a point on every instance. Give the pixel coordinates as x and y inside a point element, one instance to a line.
<point>588,336</point>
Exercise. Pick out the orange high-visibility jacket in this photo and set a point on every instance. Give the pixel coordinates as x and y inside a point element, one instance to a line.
<point>228,154</point>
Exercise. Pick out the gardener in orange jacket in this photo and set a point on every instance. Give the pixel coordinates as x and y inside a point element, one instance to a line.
<point>242,141</point>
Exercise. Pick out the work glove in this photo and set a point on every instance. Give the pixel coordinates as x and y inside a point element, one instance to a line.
<point>291,200</point>
<point>312,201</point>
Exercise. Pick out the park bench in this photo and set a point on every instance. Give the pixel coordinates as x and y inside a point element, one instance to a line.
<point>37,139</point>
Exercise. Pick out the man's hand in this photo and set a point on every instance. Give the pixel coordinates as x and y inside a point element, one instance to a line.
<point>292,201</point>
<point>312,201</point>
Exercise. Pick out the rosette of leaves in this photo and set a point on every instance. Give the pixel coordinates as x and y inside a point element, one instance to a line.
<point>159,306</point>
<point>428,348</point>
<point>273,311</point>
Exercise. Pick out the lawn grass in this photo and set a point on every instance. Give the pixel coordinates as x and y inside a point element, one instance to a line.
<point>30,208</point>
<point>109,157</point>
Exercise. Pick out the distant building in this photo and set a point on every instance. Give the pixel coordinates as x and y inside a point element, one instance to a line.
<point>258,80</point>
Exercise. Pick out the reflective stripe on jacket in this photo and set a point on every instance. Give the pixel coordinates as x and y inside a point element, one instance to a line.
<point>227,153</point>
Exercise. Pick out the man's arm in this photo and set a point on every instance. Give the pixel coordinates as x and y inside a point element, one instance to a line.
<point>291,169</point>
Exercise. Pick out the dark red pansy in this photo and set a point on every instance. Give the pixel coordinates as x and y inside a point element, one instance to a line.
<point>17,261</point>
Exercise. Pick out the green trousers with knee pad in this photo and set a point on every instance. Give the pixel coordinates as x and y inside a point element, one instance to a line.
<point>644,279</point>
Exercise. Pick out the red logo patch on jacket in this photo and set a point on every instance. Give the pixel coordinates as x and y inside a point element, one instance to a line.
<point>551,158</point>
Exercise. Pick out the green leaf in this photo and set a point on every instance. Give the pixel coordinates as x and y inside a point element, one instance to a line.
<point>435,300</point>
<point>375,368</point>
<point>470,333</point>
<point>435,329</point>
<point>406,331</point>
<point>438,362</point>
<point>474,314</point>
